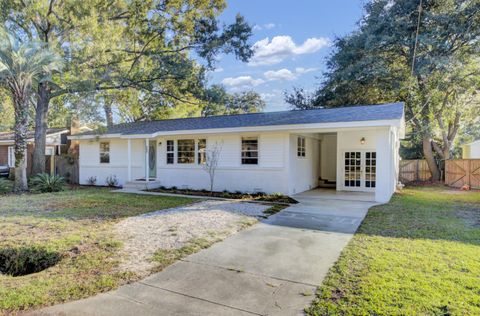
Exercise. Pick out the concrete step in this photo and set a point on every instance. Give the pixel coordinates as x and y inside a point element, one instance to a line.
<point>141,185</point>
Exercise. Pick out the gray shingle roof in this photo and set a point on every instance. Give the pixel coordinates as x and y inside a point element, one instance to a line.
<point>343,114</point>
<point>30,134</point>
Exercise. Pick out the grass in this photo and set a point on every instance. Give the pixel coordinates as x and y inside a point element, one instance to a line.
<point>417,255</point>
<point>77,225</point>
<point>165,257</point>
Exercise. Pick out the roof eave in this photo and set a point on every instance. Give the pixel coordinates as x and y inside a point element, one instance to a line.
<point>264,128</point>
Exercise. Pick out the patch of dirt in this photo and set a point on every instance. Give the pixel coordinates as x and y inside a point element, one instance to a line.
<point>471,216</point>
<point>174,228</point>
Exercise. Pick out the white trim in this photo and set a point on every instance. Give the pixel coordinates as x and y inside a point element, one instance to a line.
<point>11,156</point>
<point>291,127</point>
<point>129,160</point>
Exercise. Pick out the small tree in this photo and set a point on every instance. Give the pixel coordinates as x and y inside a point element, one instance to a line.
<point>212,156</point>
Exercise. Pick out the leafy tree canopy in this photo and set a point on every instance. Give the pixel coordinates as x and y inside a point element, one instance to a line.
<point>425,53</point>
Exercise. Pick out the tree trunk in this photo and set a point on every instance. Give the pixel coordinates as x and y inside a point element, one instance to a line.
<point>21,128</point>
<point>428,154</point>
<point>107,106</point>
<point>41,113</point>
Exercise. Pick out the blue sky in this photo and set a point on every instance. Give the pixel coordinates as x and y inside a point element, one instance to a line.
<point>291,41</point>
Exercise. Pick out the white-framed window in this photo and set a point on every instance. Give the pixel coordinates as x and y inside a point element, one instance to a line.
<point>186,151</point>
<point>104,152</point>
<point>170,152</point>
<point>11,156</point>
<point>301,146</point>
<point>249,150</point>
<point>201,151</point>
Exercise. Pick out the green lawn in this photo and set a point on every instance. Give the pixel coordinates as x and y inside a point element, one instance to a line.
<point>417,255</point>
<point>76,225</point>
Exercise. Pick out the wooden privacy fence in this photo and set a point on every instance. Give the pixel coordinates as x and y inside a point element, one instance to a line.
<point>460,172</point>
<point>414,170</point>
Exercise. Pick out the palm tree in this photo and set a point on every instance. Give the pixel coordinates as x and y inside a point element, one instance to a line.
<point>23,65</point>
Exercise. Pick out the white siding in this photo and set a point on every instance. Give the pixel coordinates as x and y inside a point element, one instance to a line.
<point>90,165</point>
<point>270,175</point>
<point>382,140</point>
<point>328,157</point>
<point>304,171</point>
<point>471,151</point>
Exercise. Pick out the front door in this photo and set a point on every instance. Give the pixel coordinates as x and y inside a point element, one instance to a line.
<point>152,159</point>
<point>360,169</point>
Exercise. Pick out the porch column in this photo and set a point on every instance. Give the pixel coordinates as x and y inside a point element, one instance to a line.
<point>129,160</point>
<point>147,161</point>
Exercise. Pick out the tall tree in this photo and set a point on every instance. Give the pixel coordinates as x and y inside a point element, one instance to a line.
<point>422,52</point>
<point>218,102</point>
<point>110,45</point>
<point>22,67</point>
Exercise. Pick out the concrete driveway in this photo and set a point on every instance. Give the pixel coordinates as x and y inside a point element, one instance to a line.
<point>272,268</point>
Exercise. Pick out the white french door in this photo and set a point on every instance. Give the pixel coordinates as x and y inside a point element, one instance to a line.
<point>360,168</point>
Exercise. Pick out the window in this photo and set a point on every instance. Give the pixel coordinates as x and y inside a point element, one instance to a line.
<point>11,156</point>
<point>104,152</point>
<point>186,151</point>
<point>202,147</point>
<point>301,146</point>
<point>170,152</point>
<point>249,151</point>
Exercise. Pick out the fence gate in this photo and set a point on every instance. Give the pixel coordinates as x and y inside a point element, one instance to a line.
<point>414,170</point>
<point>460,172</point>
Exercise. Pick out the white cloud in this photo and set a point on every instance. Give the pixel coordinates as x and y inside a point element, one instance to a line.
<point>219,69</point>
<point>285,74</point>
<point>282,74</point>
<point>301,70</point>
<point>242,81</point>
<point>267,26</point>
<point>268,52</point>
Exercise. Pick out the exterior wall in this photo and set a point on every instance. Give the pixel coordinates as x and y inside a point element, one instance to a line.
<point>270,175</point>
<point>90,166</point>
<point>471,151</point>
<point>385,141</point>
<point>3,155</point>
<point>328,157</point>
<point>304,171</point>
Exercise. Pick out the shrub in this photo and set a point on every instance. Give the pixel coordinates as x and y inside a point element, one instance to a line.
<point>5,186</point>
<point>112,181</point>
<point>92,180</point>
<point>44,182</point>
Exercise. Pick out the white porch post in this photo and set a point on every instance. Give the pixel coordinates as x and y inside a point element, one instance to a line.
<point>129,158</point>
<point>147,161</point>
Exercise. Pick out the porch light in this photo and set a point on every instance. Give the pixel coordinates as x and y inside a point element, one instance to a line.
<point>362,141</point>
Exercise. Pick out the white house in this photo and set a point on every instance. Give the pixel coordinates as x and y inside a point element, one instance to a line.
<point>471,150</point>
<point>287,152</point>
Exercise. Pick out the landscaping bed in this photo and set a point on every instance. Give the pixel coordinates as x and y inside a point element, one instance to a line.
<point>258,196</point>
<point>417,255</point>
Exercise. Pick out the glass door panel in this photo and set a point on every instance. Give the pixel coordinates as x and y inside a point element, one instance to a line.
<point>353,169</point>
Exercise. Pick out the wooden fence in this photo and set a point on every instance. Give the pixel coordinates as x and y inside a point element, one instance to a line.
<point>67,167</point>
<point>460,172</point>
<point>414,171</point>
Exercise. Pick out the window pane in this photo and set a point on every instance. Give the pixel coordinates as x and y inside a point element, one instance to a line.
<point>249,151</point>
<point>104,152</point>
<point>186,151</point>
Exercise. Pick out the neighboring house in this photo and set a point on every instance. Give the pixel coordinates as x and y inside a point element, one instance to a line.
<point>56,138</point>
<point>471,150</point>
<point>287,152</point>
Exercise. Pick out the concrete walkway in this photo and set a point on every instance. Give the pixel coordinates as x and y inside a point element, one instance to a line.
<point>272,268</point>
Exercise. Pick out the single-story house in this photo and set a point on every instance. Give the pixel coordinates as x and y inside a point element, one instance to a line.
<point>56,139</point>
<point>471,150</point>
<point>287,152</point>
